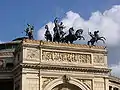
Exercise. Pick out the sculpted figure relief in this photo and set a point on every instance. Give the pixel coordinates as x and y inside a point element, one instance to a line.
<point>51,56</point>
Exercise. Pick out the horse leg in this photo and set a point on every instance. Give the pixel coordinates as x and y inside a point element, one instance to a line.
<point>71,42</point>
<point>53,39</point>
<point>50,38</point>
<point>32,37</point>
<point>93,43</point>
<point>82,37</point>
<point>103,38</point>
<point>88,43</point>
<point>29,36</point>
<point>66,41</point>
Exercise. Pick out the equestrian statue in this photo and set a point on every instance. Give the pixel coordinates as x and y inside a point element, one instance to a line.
<point>95,38</point>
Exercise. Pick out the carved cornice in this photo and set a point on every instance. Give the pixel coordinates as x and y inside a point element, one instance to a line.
<point>64,46</point>
<point>114,79</point>
<point>31,41</point>
<point>71,45</point>
<point>66,68</point>
<point>40,42</point>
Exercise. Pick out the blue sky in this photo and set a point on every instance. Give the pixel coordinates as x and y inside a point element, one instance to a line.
<point>15,14</point>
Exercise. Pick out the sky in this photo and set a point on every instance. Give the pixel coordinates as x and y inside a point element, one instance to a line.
<point>103,15</point>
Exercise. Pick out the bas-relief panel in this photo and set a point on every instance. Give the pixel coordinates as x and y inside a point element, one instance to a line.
<point>32,53</point>
<point>98,59</point>
<point>58,57</point>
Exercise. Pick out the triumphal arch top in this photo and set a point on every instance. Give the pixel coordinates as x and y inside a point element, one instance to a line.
<point>61,66</point>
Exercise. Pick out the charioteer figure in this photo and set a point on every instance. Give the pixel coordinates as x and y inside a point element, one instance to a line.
<point>58,31</point>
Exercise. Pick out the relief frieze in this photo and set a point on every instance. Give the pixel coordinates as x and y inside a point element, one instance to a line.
<point>65,57</point>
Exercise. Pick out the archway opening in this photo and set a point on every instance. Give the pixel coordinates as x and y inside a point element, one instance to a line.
<point>66,86</point>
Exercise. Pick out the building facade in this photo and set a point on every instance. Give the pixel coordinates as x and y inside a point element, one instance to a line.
<point>40,65</point>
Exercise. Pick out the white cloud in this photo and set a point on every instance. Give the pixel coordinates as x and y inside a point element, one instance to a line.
<point>108,23</point>
<point>1,42</point>
<point>115,70</point>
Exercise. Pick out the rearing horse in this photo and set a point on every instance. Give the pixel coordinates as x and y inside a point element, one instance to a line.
<point>95,38</point>
<point>73,37</point>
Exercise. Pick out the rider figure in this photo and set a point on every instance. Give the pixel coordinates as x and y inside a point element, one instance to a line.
<point>96,35</point>
<point>91,35</point>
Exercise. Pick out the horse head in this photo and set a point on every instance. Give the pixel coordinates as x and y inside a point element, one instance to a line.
<point>78,34</point>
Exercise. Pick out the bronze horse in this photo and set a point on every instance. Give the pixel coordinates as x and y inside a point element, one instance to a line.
<point>95,38</point>
<point>73,37</point>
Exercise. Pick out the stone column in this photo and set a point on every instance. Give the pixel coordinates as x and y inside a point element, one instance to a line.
<point>106,83</point>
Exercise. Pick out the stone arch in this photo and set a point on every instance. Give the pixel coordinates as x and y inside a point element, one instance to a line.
<point>72,81</point>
